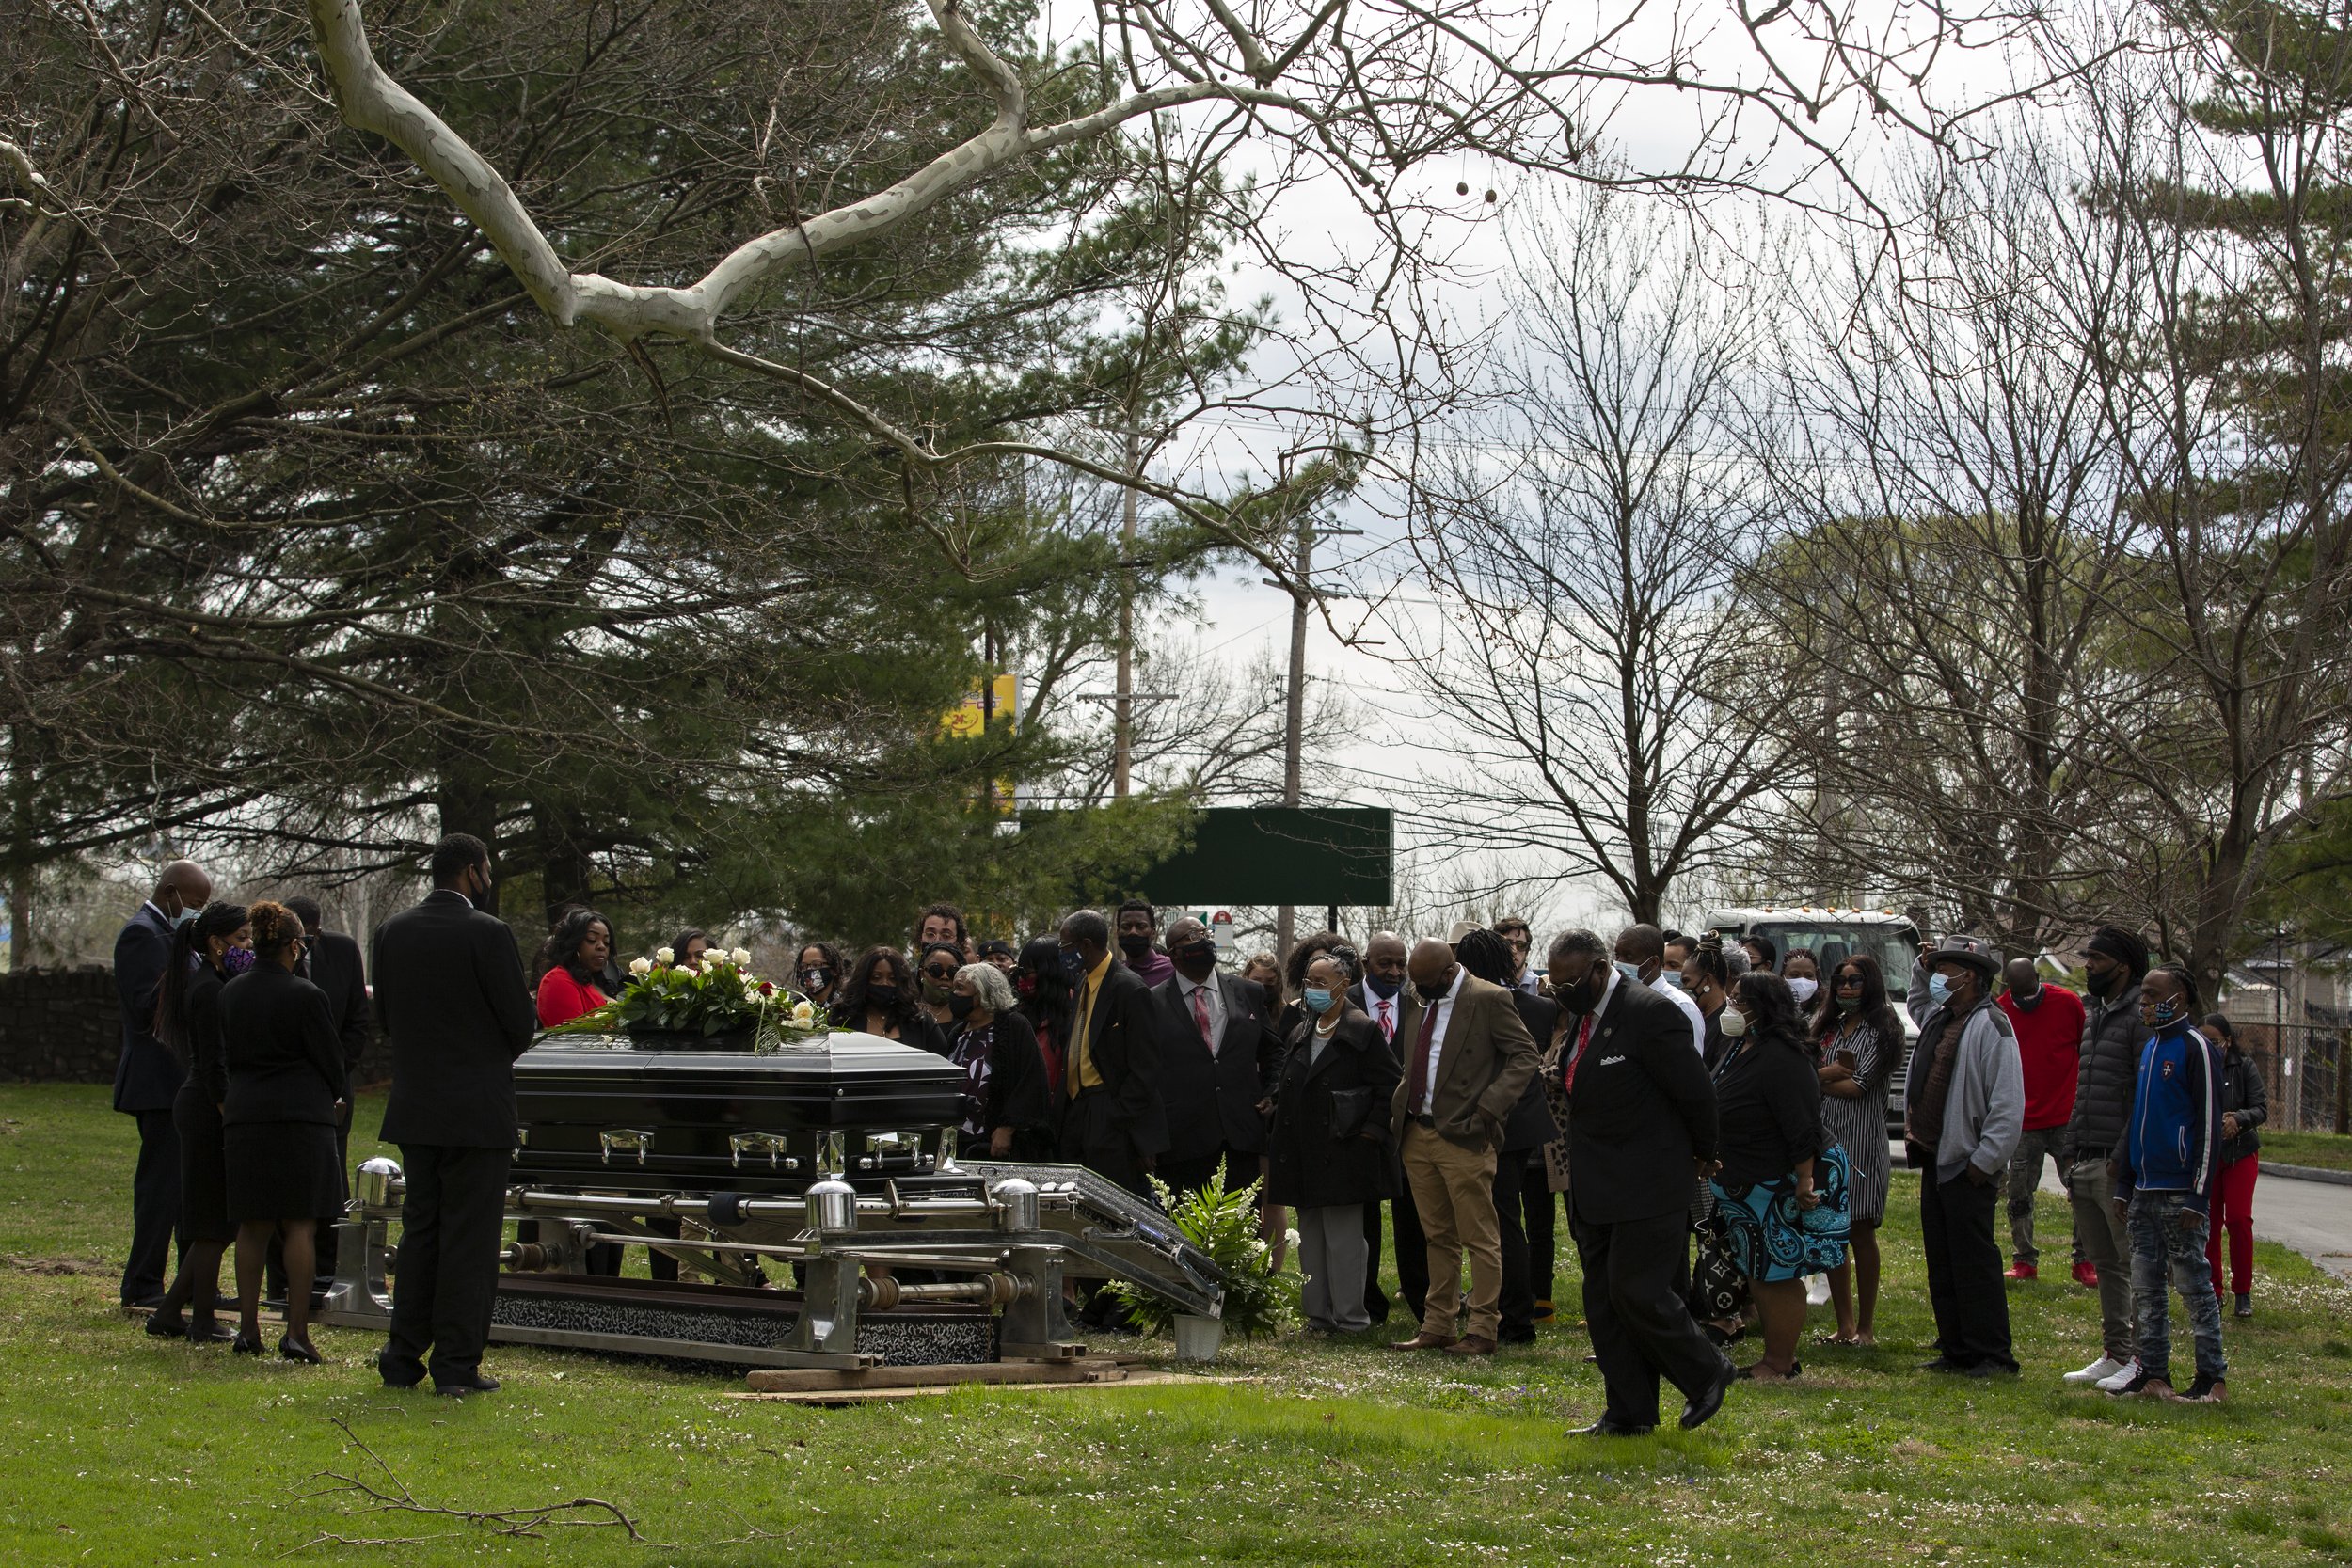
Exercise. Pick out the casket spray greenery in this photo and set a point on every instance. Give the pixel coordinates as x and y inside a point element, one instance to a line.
<point>1224,1224</point>
<point>719,996</point>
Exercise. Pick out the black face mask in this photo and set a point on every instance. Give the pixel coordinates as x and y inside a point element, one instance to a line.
<point>1196,960</point>
<point>1436,993</point>
<point>815,979</point>
<point>1381,985</point>
<point>960,1006</point>
<point>883,999</point>
<point>1585,994</point>
<point>1134,943</point>
<point>2102,985</point>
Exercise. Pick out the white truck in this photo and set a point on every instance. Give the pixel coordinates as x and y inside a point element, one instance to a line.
<point>1829,935</point>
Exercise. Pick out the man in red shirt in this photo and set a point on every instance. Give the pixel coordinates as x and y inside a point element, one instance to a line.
<point>2049,1024</point>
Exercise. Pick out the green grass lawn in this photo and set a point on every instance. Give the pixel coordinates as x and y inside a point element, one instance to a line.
<point>117,1449</point>
<point>2326,1151</point>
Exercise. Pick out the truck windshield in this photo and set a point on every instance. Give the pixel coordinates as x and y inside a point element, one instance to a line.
<point>1893,947</point>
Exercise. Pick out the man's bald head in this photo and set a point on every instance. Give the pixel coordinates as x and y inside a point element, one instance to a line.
<point>182,885</point>
<point>2024,980</point>
<point>1432,965</point>
<point>1384,959</point>
<point>1183,931</point>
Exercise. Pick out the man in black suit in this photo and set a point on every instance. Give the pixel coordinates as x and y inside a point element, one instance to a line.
<point>1217,1058</point>
<point>1640,1129</point>
<point>1112,1121</point>
<point>148,1076</point>
<point>449,990</point>
<point>330,961</point>
<point>1379,994</point>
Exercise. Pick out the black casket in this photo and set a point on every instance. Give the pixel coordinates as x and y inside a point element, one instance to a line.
<point>605,1111</point>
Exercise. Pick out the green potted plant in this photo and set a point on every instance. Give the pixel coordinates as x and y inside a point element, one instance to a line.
<point>1224,1224</point>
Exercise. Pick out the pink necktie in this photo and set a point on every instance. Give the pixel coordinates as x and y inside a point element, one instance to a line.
<point>1387,1023</point>
<point>1200,1016</point>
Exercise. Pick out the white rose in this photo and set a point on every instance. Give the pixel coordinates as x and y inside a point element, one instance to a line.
<point>803,1012</point>
<point>666,955</point>
<point>641,966</point>
<point>740,956</point>
<point>1289,1239</point>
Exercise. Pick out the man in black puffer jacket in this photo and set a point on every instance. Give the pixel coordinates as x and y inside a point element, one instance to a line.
<point>2113,965</point>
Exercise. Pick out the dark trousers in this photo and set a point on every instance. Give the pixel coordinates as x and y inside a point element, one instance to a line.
<point>1543,1235</point>
<point>1965,1285</point>
<point>154,1208</point>
<point>448,1267</point>
<point>1636,1278</point>
<point>1412,1250</point>
<point>1242,1167</point>
<point>1376,1299</point>
<point>1092,1137</point>
<point>1517,1301</point>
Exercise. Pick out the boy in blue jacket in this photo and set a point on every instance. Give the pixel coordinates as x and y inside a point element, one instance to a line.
<point>2164,1177</point>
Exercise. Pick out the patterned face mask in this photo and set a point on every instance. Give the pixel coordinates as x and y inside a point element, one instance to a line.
<point>237,960</point>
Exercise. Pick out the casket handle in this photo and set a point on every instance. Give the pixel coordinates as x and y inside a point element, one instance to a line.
<point>624,1138</point>
<point>770,1143</point>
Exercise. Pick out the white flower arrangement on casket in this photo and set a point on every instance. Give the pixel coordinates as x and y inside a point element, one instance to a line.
<point>719,996</point>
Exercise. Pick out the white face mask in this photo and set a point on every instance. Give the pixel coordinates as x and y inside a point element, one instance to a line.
<point>1802,989</point>
<point>1734,1023</point>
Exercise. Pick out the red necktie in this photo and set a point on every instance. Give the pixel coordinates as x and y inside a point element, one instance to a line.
<point>1200,1016</point>
<point>1387,1021</point>
<point>1421,1058</point>
<point>1584,1038</point>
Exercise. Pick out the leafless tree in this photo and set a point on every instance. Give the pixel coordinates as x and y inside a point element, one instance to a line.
<point>1580,535</point>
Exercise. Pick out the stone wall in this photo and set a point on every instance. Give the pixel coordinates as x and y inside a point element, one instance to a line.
<point>59,1025</point>
<point>64,1026</point>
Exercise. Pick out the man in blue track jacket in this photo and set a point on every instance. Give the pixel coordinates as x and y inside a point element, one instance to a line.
<point>2164,1177</point>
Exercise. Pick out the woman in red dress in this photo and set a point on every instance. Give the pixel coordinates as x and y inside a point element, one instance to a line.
<point>575,954</point>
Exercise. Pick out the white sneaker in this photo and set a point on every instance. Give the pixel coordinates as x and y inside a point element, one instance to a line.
<point>2105,1367</point>
<point>1817,1290</point>
<point>2115,1383</point>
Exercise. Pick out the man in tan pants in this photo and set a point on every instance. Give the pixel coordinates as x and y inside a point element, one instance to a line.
<point>1467,1059</point>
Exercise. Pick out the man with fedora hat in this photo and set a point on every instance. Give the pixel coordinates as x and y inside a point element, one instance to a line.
<point>1966,1110</point>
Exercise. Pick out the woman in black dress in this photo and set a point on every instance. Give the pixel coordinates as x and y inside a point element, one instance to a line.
<point>1006,1114</point>
<point>286,1091</point>
<point>209,950</point>
<point>1327,1149</point>
<point>1049,1002</point>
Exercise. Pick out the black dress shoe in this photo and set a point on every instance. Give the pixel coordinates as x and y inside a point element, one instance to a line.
<point>292,1349</point>
<point>245,1346</point>
<point>147,1303</point>
<point>396,1375</point>
<point>207,1331</point>
<point>1516,1336</point>
<point>161,1327</point>
<point>1943,1364</point>
<point>1697,1410</point>
<point>1609,1426</point>
<point>480,1383</point>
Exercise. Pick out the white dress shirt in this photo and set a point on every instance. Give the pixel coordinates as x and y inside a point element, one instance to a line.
<point>1443,1010</point>
<point>1681,998</point>
<point>1213,996</point>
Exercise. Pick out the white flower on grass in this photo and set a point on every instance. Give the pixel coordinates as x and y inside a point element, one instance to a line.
<point>666,955</point>
<point>740,958</point>
<point>641,966</point>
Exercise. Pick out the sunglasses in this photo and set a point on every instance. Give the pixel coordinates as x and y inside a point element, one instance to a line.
<point>941,974</point>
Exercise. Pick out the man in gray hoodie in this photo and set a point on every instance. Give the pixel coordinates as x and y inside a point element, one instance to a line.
<point>1967,1111</point>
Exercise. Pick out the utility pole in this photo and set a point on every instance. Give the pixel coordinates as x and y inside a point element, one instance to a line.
<point>1123,714</point>
<point>1295,713</point>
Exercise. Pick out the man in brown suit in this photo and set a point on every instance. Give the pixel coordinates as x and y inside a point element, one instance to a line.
<point>1467,1059</point>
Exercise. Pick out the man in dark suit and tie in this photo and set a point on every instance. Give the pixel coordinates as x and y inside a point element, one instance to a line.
<point>1640,1129</point>
<point>1380,994</point>
<point>449,990</point>
<point>1467,1061</point>
<point>1112,1121</point>
<point>148,1076</point>
<point>330,961</point>
<point>1217,1056</point>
